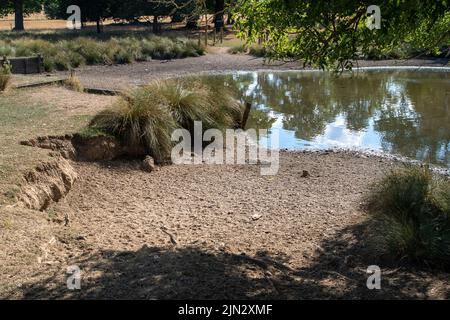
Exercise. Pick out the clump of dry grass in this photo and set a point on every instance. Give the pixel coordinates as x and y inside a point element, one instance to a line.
<point>140,118</point>
<point>194,99</point>
<point>146,117</point>
<point>74,83</point>
<point>5,76</point>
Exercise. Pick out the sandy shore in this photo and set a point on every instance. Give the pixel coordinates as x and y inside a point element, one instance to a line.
<point>223,231</point>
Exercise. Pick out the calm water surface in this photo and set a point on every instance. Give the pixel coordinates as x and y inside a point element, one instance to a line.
<point>402,112</point>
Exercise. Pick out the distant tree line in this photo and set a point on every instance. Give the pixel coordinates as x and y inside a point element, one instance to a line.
<point>129,10</point>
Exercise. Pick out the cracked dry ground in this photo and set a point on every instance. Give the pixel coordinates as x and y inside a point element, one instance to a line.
<point>222,232</point>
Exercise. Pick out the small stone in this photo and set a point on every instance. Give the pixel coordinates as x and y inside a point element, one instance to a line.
<point>305,174</point>
<point>148,164</point>
<point>256,217</point>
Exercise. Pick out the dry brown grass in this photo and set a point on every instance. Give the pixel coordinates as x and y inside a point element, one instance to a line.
<point>38,21</point>
<point>27,239</point>
<point>74,83</point>
<point>5,80</point>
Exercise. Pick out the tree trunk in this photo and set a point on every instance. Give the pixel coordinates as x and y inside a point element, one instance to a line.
<point>99,27</point>
<point>155,24</point>
<point>218,16</point>
<point>18,15</point>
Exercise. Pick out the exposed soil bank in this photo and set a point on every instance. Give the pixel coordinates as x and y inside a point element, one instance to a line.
<point>49,182</point>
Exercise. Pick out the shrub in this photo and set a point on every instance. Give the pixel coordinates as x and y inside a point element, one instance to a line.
<point>5,76</point>
<point>413,208</point>
<point>63,55</point>
<point>148,47</point>
<point>163,49</point>
<point>61,61</point>
<point>92,51</point>
<point>241,48</point>
<point>6,50</point>
<point>258,51</point>
<point>75,59</point>
<point>194,49</point>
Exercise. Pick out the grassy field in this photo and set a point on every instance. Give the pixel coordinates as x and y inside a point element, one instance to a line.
<point>27,113</point>
<point>39,21</point>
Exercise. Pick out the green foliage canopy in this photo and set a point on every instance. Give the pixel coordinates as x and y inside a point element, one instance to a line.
<point>29,6</point>
<point>330,33</point>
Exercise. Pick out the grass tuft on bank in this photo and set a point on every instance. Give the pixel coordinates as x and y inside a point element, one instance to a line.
<point>412,207</point>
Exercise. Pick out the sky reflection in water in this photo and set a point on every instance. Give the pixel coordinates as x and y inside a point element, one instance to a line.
<point>403,112</point>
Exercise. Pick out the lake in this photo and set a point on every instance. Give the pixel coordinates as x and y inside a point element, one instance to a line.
<point>403,112</point>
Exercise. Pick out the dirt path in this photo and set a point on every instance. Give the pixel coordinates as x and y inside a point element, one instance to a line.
<point>122,76</point>
<point>223,232</point>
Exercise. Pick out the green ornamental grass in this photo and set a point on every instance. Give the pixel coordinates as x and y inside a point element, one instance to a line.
<point>146,117</point>
<point>412,206</point>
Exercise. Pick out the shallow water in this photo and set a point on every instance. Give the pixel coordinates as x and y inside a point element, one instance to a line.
<point>401,112</point>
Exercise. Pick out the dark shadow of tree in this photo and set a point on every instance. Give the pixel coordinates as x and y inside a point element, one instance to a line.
<point>337,271</point>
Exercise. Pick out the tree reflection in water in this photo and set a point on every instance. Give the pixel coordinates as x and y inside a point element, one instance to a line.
<point>405,112</point>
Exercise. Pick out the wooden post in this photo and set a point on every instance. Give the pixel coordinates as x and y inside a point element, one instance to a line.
<point>221,35</point>
<point>214,37</point>
<point>199,38</point>
<point>248,107</point>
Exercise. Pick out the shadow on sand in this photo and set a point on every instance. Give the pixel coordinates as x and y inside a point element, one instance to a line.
<point>337,271</point>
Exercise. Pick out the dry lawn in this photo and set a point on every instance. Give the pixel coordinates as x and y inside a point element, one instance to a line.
<point>25,114</point>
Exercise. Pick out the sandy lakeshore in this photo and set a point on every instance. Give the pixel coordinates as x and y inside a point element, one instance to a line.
<point>222,231</point>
